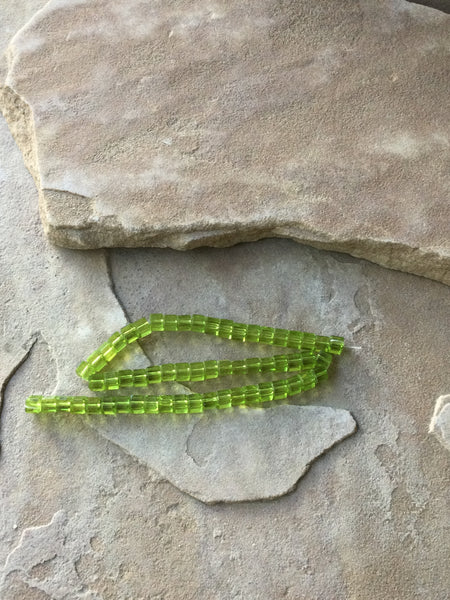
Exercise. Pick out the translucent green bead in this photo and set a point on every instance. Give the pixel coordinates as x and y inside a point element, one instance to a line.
<point>180,405</point>
<point>195,403</point>
<point>130,333</point>
<point>239,332</point>
<point>184,323</point>
<point>253,333</point>
<point>142,327</point>
<point>154,374</point>
<point>182,372</point>
<point>170,323</point>
<point>157,322</point>
<point>266,335</point>
<point>225,329</point>
<point>168,372</point>
<point>118,341</point>
<point>198,323</point>
<point>212,325</point>
<point>211,369</point>
<point>336,345</point>
<point>198,371</point>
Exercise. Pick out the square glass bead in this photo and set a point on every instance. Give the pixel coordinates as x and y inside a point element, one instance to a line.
<point>211,369</point>
<point>195,403</point>
<point>129,333</point>
<point>125,378</point>
<point>212,326</point>
<point>198,323</point>
<point>266,336</point>
<point>184,323</point>
<point>168,372</point>
<point>182,372</point>
<point>224,399</point>
<point>151,405</point>
<point>137,405</point>
<point>239,332</point>
<point>142,327</point>
<point>280,337</point>
<point>165,404</point>
<point>253,333</point>
<point>157,322</point>
<point>197,371</point>
<point>118,341</point>
<point>180,404</point>
<point>171,322</point>
<point>154,374</point>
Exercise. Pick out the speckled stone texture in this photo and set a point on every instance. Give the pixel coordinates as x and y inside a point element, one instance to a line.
<point>87,512</point>
<point>188,123</point>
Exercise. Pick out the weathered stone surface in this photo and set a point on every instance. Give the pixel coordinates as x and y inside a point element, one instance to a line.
<point>234,456</point>
<point>366,521</point>
<point>194,124</point>
<point>440,423</point>
<point>62,301</point>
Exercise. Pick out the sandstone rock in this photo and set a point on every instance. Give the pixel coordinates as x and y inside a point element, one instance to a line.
<point>237,455</point>
<point>440,423</point>
<point>193,124</point>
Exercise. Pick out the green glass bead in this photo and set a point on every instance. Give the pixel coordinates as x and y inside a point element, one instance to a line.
<point>253,365</point>
<point>165,404</point>
<point>123,405</point>
<point>211,369</point>
<point>170,322</point>
<point>126,378</point>
<point>93,406</point>
<point>225,367</point>
<point>198,323</point>
<point>33,404</point>
<point>253,333</point>
<point>97,384</point>
<point>210,400</point>
<point>197,371</point>
<point>85,370</point>
<point>168,372</point>
<point>225,329</point>
<point>280,337</point>
<point>267,364</point>
<point>295,339</point>
<point>142,327</point>
<point>182,372</point>
<point>139,378</point>
<point>239,332</point>
<point>111,380</point>
<point>281,364</point>
<point>212,326</point>
<point>239,367</point>
<point>129,333</point>
<point>266,335</point>
<point>252,395</point>
<point>195,403</point>
<point>154,374</point>
<point>151,406</point>
<point>117,341</point>
<point>137,406</point>
<point>309,380</point>
<point>266,391</point>
<point>109,406</point>
<point>180,404</point>
<point>336,345</point>
<point>224,399</point>
<point>184,323</point>
<point>237,397</point>
<point>157,322</point>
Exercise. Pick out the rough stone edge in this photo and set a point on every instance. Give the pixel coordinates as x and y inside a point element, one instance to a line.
<point>433,263</point>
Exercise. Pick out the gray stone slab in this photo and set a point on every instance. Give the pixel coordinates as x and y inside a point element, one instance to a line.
<point>192,124</point>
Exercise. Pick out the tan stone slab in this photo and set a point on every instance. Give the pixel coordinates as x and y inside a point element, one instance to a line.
<point>191,124</point>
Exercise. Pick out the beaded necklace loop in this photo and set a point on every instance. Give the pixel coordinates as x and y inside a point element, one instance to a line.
<point>311,362</point>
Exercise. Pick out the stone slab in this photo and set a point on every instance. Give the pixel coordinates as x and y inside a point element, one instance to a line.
<point>192,124</point>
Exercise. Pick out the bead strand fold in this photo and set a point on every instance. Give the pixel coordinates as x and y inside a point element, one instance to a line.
<point>311,361</point>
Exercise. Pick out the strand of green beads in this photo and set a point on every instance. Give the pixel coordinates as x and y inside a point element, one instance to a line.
<point>223,328</point>
<point>249,395</point>
<point>201,371</point>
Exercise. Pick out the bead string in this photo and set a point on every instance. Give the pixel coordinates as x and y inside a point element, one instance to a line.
<point>312,360</point>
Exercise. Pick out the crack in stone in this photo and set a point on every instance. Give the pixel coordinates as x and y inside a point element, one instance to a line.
<point>29,345</point>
